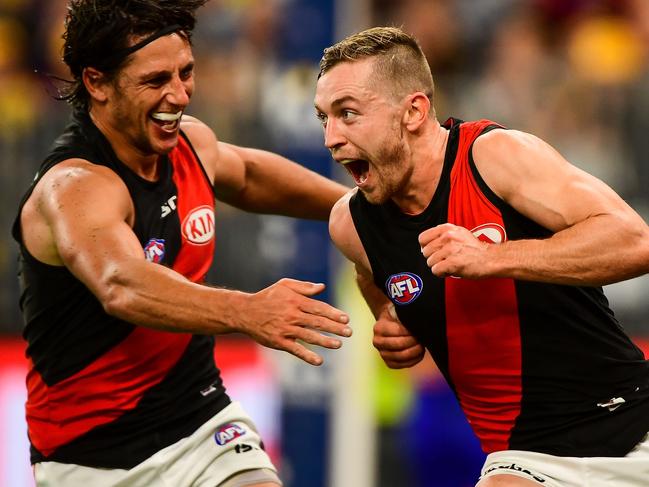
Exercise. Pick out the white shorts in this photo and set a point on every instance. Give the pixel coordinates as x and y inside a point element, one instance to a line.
<point>631,470</point>
<point>224,446</point>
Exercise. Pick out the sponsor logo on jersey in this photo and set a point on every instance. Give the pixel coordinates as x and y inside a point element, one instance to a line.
<point>228,432</point>
<point>490,232</point>
<point>404,288</point>
<point>612,404</point>
<point>168,207</point>
<point>154,250</point>
<point>198,225</point>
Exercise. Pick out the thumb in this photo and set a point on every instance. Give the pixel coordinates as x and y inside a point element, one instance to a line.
<point>392,312</point>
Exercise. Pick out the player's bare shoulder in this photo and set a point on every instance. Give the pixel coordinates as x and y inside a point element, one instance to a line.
<point>340,218</point>
<point>65,193</point>
<point>505,157</point>
<point>500,143</point>
<point>78,176</point>
<point>204,142</point>
<point>200,135</point>
<point>76,184</point>
<point>343,231</point>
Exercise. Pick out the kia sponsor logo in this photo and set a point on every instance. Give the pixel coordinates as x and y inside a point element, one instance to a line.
<point>404,288</point>
<point>198,225</point>
<point>490,233</point>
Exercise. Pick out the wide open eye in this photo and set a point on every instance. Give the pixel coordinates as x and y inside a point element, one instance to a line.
<point>347,115</point>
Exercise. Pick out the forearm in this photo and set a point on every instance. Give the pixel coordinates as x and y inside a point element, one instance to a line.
<point>157,297</point>
<point>277,185</point>
<point>375,299</point>
<point>598,251</point>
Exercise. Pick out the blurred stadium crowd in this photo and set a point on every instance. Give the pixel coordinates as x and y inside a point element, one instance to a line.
<point>574,72</point>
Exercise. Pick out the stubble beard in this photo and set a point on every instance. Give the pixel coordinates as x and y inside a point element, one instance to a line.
<point>392,175</point>
<point>136,132</point>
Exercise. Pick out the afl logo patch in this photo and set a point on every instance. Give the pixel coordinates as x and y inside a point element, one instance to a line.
<point>198,225</point>
<point>404,288</point>
<point>228,432</point>
<point>154,250</point>
<point>490,232</point>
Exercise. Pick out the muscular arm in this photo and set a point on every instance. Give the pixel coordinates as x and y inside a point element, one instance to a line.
<point>261,181</point>
<point>398,348</point>
<point>87,210</point>
<point>598,239</point>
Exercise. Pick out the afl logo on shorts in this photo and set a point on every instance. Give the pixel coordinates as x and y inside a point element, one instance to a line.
<point>198,225</point>
<point>490,232</point>
<point>228,432</point>
<point>154,250</point>
<point>404,288</point>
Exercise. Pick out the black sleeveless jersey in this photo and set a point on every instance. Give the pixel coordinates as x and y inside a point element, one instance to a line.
<point>535,367</point>
<point>103,392</point>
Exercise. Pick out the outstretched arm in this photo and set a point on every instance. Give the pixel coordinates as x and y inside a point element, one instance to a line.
<point>598,239</point>
<point>398,348</point>
<point>83,214</point>
<point>261,181</point>
<point>274,184</point>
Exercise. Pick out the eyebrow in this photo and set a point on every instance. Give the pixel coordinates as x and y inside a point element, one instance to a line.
<point>339,101</point>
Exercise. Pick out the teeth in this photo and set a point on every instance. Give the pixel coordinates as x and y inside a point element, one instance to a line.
<point>347,161</point>
<point>167,117</point>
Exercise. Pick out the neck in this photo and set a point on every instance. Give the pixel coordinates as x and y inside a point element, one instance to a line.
<point>144,165</point>
<point>427,155</point>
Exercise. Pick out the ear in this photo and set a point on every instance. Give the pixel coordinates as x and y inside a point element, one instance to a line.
<point>95,83</point>
<point>417,111</point>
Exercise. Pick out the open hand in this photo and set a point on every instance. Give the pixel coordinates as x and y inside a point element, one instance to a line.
<point>282,316</point>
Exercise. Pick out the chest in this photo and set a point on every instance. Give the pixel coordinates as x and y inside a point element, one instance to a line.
<point>174,219</point>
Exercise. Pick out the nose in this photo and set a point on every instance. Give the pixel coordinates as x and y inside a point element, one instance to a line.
<point>333,136</point>
<point>179,92</point>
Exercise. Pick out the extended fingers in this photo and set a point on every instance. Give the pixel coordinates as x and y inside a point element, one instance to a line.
<point>300,351</point>
<point>313,337</point>
<point>294,345</point>
<point>321,316</point>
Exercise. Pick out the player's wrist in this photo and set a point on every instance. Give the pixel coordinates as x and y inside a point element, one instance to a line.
<point>233,309</point>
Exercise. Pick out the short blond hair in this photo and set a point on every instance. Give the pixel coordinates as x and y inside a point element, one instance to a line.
<point>399,59</point>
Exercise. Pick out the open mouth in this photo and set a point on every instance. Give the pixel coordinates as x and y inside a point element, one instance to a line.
<point>167,121</point>
<point>358,168</point>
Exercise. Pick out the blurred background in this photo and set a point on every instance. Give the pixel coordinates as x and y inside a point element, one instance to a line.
<point>574,72</point>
